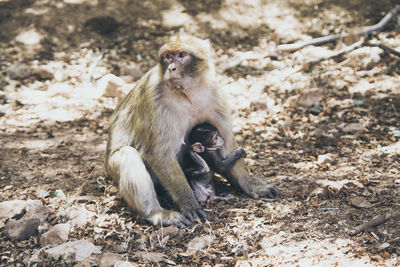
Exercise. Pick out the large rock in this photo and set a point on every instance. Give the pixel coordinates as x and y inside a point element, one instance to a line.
<point>113,86</point>
<point>21,229</point>
<point>56,235</point>
<point>9,209</point>
<point>37,212</point>
<point>79,216</point>
<point>79,250</point>
<point>109,259</point>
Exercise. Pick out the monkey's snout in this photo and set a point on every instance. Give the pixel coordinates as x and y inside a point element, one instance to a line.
<point>172,67</point>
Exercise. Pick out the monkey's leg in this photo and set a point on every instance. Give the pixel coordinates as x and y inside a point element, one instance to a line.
<point>240,177</point>
<point>171,176</point>
<point>137,188</point>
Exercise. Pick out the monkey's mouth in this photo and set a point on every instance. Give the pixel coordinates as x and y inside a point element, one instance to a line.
<point>176,83</point>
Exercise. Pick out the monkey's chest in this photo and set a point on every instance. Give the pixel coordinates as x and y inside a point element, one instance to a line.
<point>193,108</point>
<point>188,111</point>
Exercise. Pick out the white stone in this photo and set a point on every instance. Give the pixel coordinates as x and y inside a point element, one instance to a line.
<point>79,250</point>
<point>9,209</point>
<point>58,234</point>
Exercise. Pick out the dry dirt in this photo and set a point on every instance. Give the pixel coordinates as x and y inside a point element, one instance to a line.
<point>327,134</point>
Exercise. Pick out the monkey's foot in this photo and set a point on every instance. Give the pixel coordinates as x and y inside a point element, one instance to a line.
<point>195,214</point>
<point>260,188</point>
<point>168,217</point>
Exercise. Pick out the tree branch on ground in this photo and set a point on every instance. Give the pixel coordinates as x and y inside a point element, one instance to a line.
<point>376,221</point>
<point>332,38</point>
<point>385,48</point>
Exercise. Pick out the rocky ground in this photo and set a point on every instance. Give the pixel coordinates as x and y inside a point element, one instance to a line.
<point>325,131</point>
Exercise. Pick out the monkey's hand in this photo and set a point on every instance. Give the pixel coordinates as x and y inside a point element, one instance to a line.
<point>175,182</point>
<point>260,188</point>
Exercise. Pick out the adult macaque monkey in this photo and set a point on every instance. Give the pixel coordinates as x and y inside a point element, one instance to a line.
<point>150,124</point>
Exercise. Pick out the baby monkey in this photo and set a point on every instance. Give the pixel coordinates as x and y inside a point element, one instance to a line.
<point>203,153</point>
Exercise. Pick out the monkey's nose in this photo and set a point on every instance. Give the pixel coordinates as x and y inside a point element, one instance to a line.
<point>172,67</point>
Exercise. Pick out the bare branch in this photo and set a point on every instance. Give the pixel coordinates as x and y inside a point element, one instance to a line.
<point>376,221</point>
<point>332,38</point>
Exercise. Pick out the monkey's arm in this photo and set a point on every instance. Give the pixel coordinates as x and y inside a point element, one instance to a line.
<point>223,165</point>
<point>173,179</point>
<point>200,162</point>
<point>238,175</point>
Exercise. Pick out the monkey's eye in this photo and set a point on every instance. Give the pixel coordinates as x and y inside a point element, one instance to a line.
<point>181,55</point>
<point>168,56</point>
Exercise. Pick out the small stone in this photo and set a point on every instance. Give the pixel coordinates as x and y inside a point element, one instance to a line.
<point>198,243</point>
<point>56,235</point>
<point>151,256</point>
<point>11,208</point>
<point>29,37</point>
<point>43,75</point>
<point>79,216</point>
<point>60,194</point>
<point>397,181</point>
<point>325,158</point>
<point>171,231</point>
<point>79,250</point>
<point>109,259</point>
<point>19,72</point>
<point>307,98</point>
<point>360,202</point>
<point>353,127</point>
<point>21,229</point>
<point>384,246</point>
<point>124,264</point>
<point>43,193</point>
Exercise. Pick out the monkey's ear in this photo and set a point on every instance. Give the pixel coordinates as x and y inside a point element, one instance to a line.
<point>198,147</point>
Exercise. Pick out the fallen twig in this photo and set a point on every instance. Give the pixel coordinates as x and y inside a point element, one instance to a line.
<point>335,37</point>
<point>338,53</point>
<point>385,48</point>
<point>377,220</point>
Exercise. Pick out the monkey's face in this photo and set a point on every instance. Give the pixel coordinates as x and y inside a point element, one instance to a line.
<point>216,141</point>
<point>207,135</point>
<point>178,68</point>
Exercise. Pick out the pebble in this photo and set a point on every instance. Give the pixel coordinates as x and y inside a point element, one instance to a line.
<point>43,75</point>
<point>21,229</point>
<point>109,259</point>
<point>60,194</point>
<point>198,243</point>
<point>56,235</point>
<point>124,264</point>
<point>19,71</point>
<point>78,250</point>
<point>9,209</point>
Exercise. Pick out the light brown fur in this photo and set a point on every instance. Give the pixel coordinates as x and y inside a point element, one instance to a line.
<point>148,128</point>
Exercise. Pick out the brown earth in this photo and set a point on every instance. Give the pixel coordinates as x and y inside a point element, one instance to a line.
<point>327,134</point>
